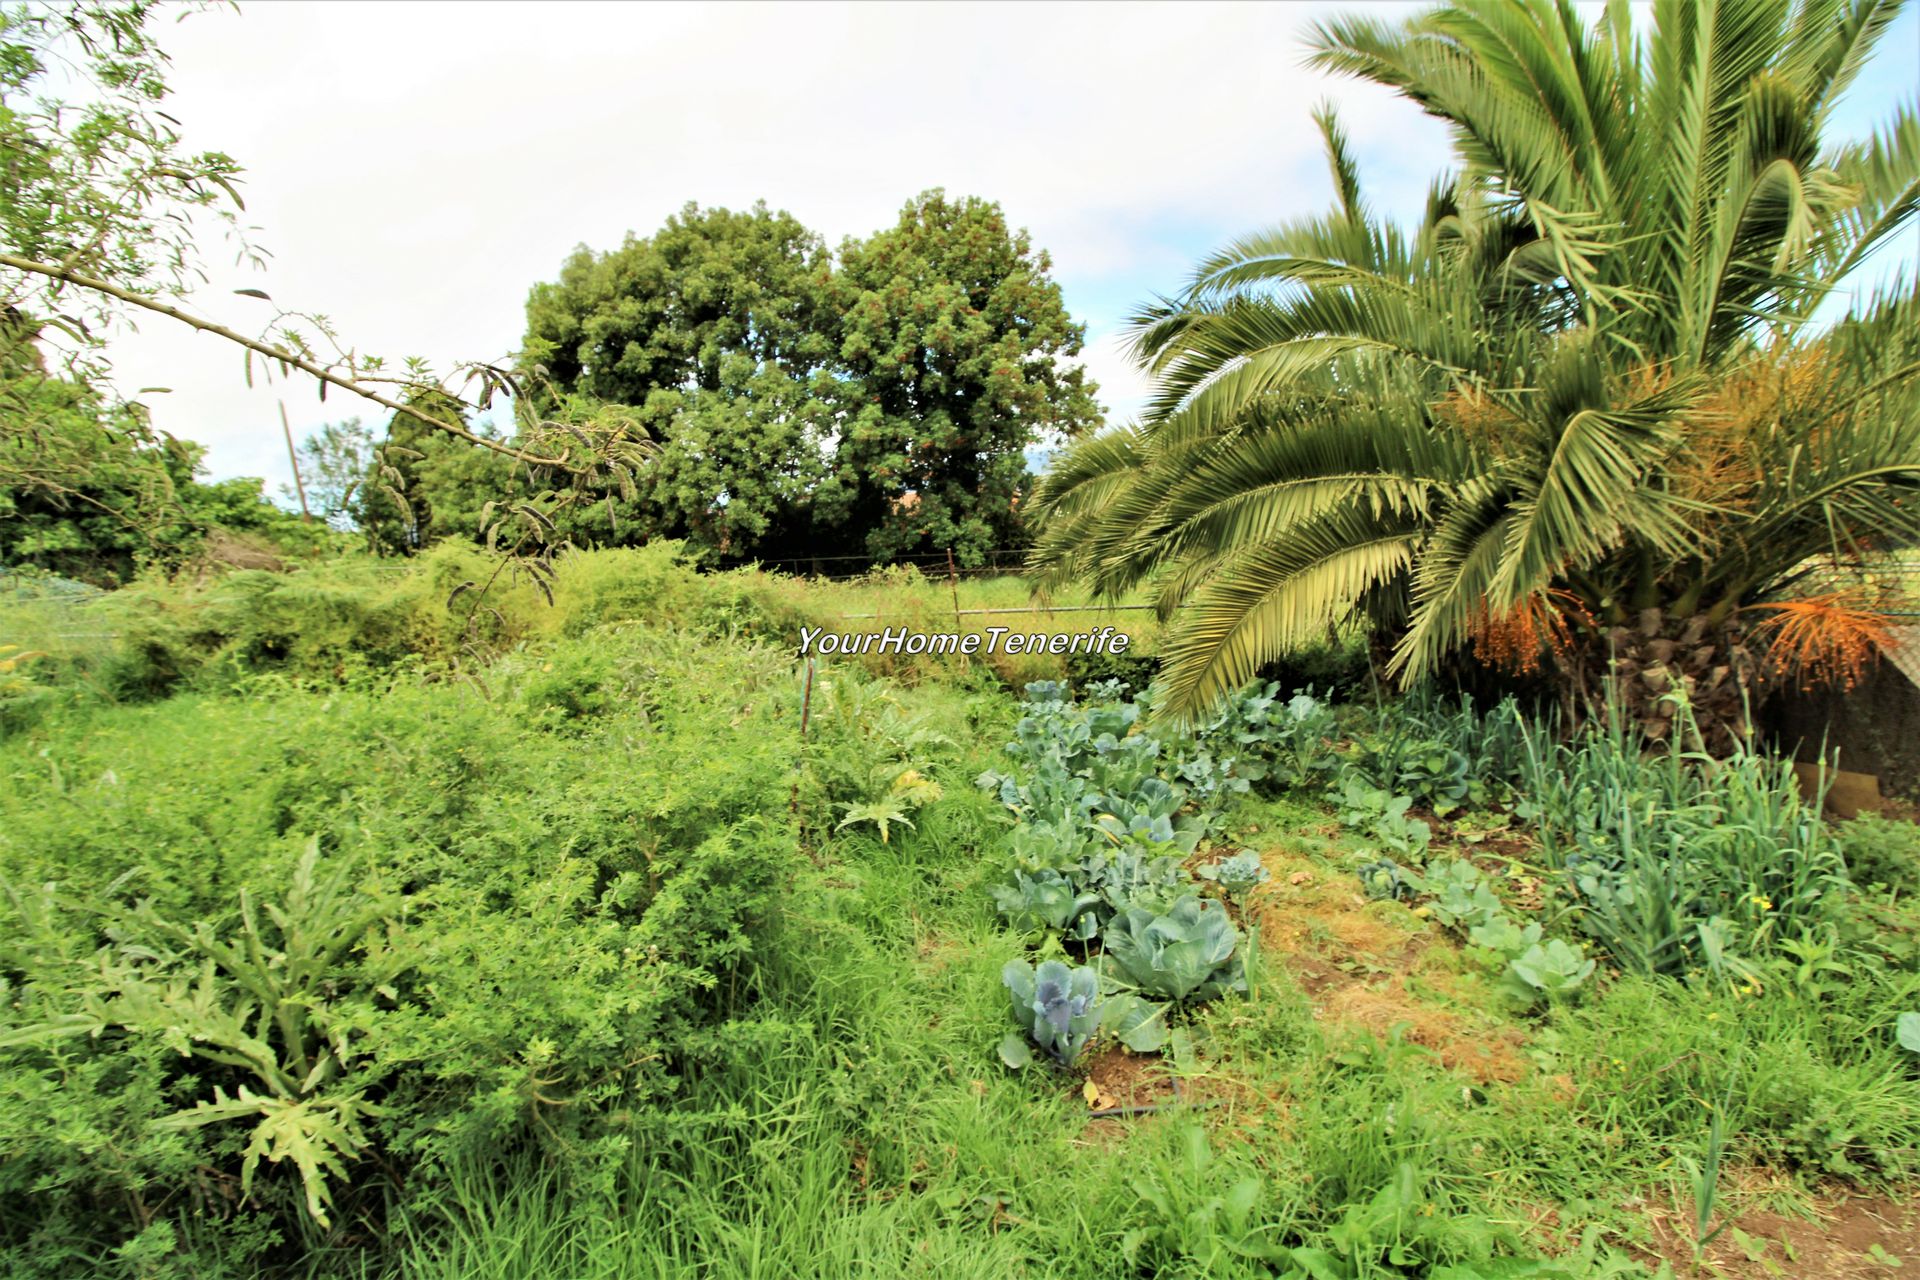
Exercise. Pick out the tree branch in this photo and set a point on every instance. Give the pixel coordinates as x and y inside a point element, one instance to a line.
<point>272,352</point>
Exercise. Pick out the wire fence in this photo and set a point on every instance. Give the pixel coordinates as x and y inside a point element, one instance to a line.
<point>1890,583</point>
<point>1001,563</point>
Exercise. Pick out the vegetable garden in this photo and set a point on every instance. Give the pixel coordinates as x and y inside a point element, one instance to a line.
<point>479,881</point>
<point>589,963</point>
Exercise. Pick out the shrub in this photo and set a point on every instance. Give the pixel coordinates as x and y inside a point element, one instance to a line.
<point>422,931</point>
<point>1678,862</point>
<point>1883,851</point>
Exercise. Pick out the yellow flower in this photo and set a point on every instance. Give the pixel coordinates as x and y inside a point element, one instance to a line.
<point>1764,904</point>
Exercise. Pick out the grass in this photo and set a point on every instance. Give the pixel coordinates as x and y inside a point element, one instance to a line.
<point>968,606</point>
<point>1373,1097</point>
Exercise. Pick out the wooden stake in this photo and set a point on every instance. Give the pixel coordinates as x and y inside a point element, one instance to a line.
<point>293,459</point>
<point>806,700</point>
<point>953,582</point>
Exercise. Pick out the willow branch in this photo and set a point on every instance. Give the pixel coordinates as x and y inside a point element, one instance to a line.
<point>272,352</point>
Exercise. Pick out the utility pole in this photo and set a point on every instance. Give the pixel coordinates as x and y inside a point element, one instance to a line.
<point>293,460</point>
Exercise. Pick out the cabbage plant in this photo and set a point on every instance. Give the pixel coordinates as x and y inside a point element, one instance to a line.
<point>1128,879</point>
<point>1057,1008</point>
<point>1046,902</point>
<point>1186,953</point>
<point>1553,970</point>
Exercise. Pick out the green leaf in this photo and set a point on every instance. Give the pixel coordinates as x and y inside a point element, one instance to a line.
<point>1139,1024</point>
<point>1015,1051</point>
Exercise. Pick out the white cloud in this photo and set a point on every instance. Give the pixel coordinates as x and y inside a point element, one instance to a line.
<point>414,168</point>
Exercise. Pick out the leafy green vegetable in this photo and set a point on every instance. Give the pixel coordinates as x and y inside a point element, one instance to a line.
<point>1906,1031</point>
<point>1058,1008</point>
<point>1187,953</point>
<point>1046,902</point>
<point>1139,1024</point>
<point>1128,879</point>
<point>1461,898</point>
<point>1386,879</point>
<point>1237,874</point>
<point>1503,935</point>
<point>1553,970</point>
<point>1382,815</point>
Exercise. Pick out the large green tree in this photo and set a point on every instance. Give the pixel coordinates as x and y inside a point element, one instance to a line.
<point>877,405</point>
<point>716,330</point>
<point>958,345</point>
<point>1581,403</point>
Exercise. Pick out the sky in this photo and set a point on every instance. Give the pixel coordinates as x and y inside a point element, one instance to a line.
<point>414,168</point>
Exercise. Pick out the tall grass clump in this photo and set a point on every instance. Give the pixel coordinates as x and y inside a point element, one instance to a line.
<point>1679,862</point>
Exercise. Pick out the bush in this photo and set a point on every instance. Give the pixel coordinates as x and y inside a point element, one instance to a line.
<point>1882,851</point>
<point>1679,863</point>
<point>353,938</point>
<point>355,618</point>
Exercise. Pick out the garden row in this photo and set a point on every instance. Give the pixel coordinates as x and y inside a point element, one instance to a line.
<point>1649,858</point>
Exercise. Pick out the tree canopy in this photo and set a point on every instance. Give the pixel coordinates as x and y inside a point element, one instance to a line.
<point>881,403</point>
<point>1585,388</point>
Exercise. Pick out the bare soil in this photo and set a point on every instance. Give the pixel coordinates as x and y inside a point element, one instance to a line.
<point>1847,1237</point>
<point>1374,967</point>
<point>1371,967</point>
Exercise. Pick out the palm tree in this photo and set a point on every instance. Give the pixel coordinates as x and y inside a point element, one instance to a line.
<point>1583,399</point>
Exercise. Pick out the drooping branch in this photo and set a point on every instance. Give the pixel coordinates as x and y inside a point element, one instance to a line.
<point>285,357</point>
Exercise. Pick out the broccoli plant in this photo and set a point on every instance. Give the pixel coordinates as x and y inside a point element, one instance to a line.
<point>1189,952</point>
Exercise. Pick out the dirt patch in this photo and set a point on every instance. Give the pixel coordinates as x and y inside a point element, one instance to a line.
<point>935,952</point>
<point>1485,1054</point>
<point>1353,958</point>
<point>1123,1079</point>
<point>1847,1237</point>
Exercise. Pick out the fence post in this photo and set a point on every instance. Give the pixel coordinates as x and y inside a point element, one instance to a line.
<point>953,584</point>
